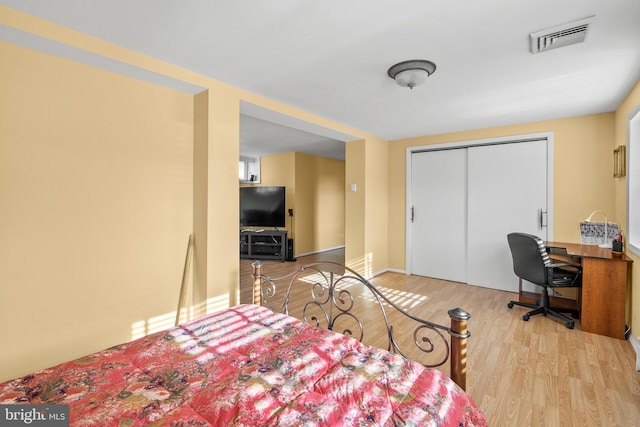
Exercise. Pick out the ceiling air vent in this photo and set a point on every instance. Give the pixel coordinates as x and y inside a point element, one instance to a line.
<point>563,35</point>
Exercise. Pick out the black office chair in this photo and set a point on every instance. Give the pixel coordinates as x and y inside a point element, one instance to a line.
<point>531,262</point>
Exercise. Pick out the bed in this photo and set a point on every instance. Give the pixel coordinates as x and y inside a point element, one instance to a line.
<point>253,365</point>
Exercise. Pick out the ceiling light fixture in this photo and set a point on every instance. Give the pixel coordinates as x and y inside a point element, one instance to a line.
<point>411,73</point>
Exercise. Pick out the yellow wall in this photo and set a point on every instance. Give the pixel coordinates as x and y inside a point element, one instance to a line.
<point>583,169</point>
<point>315,192</point>
<point>200,196</point>
<point>583,179</point>
<point>355,205</point>
<point>376,206</point>
<point>319,207</point>
<point>222,231</point>
<point>59,302</point>
<point>96,205</point>
<point>367,207</point>
<point>101,304</point>
<point>622,138</point>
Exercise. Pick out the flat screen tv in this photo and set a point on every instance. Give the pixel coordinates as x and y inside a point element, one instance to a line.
<point>262,206</point>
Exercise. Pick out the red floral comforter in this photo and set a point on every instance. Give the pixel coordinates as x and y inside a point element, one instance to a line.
<point>247,366</point>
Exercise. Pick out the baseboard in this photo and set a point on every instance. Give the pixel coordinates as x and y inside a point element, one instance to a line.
<point>318,252</point>
<point>384,270</point>
<point>635,343</point>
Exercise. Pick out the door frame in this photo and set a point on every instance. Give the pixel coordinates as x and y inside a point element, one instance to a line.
<point>513,139</point>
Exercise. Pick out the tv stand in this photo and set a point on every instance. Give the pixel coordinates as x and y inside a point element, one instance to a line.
<point>265,244</point>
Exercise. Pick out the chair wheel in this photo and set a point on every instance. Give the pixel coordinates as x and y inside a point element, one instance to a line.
<point>510,305</point>
<point>570,324</point>
<point>525,317</point>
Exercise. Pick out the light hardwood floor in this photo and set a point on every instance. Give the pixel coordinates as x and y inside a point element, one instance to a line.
<point>535,373</point>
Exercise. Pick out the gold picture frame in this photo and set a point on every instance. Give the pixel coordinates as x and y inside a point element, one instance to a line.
<point>619,162</point>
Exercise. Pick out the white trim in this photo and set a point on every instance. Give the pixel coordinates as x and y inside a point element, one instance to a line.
<point>318,252</point>
<point>384,270</point>
<point>634,115</point>
<point>407,218</point>
<point>473,143</point>
<point>377,273</point>
<point>635,343</point>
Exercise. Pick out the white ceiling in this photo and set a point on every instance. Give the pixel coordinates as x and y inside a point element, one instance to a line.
<point>330,57</point>
<point>259,138</point>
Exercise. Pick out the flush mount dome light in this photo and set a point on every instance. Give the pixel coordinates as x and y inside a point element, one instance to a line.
<point>411,73</point>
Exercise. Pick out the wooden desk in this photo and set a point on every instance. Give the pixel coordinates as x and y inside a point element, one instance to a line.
<point>604,288</point>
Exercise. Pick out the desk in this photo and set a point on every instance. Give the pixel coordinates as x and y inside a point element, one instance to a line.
<point>604,287</point>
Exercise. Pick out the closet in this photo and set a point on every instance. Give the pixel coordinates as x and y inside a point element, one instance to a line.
<point>463,200</point>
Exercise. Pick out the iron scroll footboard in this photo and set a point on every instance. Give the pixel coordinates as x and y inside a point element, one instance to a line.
<point>328,299</point>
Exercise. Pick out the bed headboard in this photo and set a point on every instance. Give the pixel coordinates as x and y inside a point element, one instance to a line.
<point>333,296</point>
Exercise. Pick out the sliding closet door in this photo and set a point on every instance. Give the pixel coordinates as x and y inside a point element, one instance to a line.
<point>507,189</point>
<point>439,223</point>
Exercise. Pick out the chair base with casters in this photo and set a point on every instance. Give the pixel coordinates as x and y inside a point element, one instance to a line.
<point>542,307</point>
<point>531,262</point>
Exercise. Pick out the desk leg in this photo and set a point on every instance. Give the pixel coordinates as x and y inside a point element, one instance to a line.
<point>604,291</point>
